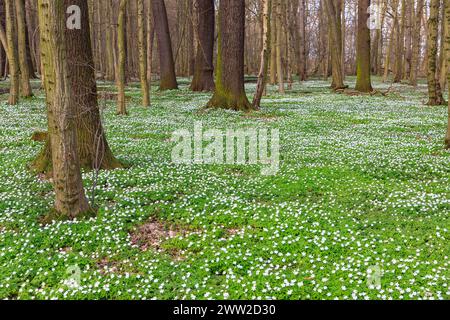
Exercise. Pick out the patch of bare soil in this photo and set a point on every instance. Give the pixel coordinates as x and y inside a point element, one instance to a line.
<point>151,235</point>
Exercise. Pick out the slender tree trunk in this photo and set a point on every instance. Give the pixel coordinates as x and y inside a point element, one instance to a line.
<point>434,90</point>
<point>278,48</point>
<point>444,34</point>
<point>204,69</point>
<point>25,86</point>
<point>302,43</point>
<point>230,91</point>
<point>416,43</point>
<point>400,46</point>
<point>387,63</point>
<point>143,55</point>
<point>168,79</point>
<point>363,81</point>
<point>121,103</point>
<point>110,69</point>
<point>13,58</point>
<point>447,49</point>
<point>273,42</point>
<point>70,198</point>
<point>265,54</point>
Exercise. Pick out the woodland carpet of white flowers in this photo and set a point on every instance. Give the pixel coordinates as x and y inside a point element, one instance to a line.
<point>364,181</point>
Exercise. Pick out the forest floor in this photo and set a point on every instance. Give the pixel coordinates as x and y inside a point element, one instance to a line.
<point>362,194</point>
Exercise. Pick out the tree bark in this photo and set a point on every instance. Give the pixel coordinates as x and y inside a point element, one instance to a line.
<point>93,148</point>
<point>143,55</point>
<point>447,50</point>
<point>204,69</point>
<point>121,103</point>
<point>363,78</point>
<point>434,89</point>
<point>25,86</point>
<point>336,43</point>
<point>265,54</point>
<point>70,198</point>
<point>168,79</point>
<point>230,91</point>
<point>13,55</point>
<point>278,45</point>
<point>416,43</point>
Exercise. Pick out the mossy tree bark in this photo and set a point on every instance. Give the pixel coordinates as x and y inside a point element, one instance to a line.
<point>363,79</point>
<point>230,91</point>
<point>93,149</point>
<point>204,69</point>
<point>434,88</point>
<point>70,198</point>
<point>13,55</point>
<point>25,86</point>
<point>121,44</point>
<point>265,54</point>
<point>142,38</point>
<point>168,79</point>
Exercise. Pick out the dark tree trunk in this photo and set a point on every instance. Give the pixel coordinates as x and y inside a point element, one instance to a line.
<point>203,75</point>
<point>93,149</point>
<point>363,81</point>
<point>168,79</point>
<point>230,91</point>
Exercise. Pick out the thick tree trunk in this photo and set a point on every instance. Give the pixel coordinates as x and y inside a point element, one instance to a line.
<point>25,86</point>
<point>13,55</point>
<point>121,43</point>
<point>204,69</point>
<point>70,198</point>
<point>434,88</point>
<point>143,55</point>
<point>336,43</point>
<point>363,81</point>
<point>168,79</point>
<point>93,149</point>
<point>265,54</point>
<point>230,91</point>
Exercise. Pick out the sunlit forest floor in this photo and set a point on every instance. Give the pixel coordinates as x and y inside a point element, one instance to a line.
<point>364,183</point>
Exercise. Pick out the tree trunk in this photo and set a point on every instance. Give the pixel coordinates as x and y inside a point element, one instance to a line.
<point>265,54</point>
<point>204,69</point>
<point>25,86</point>
<point>121,103</point>
<point>143,55</point>
<point>363,81</point>
<point>278,45</point>
<point>400,46</point>
<point>168,79</point>
<point>434,89</point>
<point>416,43</point>
<point>273,42</point>
<point>447,50</point>
<point>230,91</point>
<point>93,149</point>
<point>387,63</point>
<point>70,198</point>
<point>335,45</point>
<point>110,68</point>
<point>13,58</point>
